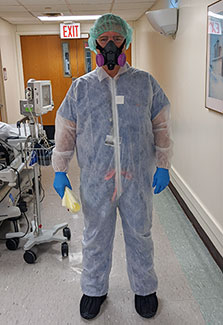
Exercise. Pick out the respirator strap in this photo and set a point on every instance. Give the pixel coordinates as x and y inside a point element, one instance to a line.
<point>121,47</point>
<point>99,46</point>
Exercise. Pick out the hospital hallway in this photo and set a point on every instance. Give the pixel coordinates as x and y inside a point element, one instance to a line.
<point>48,292</point>
<point>134,88</point>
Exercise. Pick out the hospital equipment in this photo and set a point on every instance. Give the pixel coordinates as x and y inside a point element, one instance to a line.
<point>13,205</point>
<point>15,181</point>
<point>14,161</point>
<point>35,151</point>
<point>38,98</point>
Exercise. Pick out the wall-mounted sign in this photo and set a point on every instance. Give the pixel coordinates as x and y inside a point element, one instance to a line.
<point>214,65</point>
<point>70,31</point>
<point>214,27</point>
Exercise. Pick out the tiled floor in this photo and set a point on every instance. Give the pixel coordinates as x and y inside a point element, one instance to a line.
<point>48,292</point>
<point>203,275</point>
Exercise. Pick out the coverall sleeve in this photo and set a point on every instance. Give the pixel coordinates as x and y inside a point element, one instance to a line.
<point>161,127</point>
<point>65,131</point>
<point>162,140</point>
<point>65,136</point>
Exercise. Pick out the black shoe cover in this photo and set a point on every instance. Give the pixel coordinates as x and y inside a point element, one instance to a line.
<point>90,306</point>
<point>146,306</point>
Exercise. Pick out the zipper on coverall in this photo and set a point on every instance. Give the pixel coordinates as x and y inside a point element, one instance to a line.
<point>116,139</point>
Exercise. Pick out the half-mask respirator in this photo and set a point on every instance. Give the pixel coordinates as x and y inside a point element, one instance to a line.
<point>110,55</point>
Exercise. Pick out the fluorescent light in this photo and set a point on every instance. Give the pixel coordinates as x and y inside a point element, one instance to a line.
<point>69,18</point>
<point>212,14</point>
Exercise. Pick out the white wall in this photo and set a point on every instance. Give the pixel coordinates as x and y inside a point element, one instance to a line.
<point>9,61</point>
<point>180,66</point>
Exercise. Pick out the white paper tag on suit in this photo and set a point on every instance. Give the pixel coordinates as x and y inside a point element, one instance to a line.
<point>120,99</point>
<point>109,141</point>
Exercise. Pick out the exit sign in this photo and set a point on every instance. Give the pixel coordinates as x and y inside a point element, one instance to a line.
<point>70,31</point>
<point>214,27</point>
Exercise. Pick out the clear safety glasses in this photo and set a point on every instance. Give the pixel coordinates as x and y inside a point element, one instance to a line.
<point>117,39</point>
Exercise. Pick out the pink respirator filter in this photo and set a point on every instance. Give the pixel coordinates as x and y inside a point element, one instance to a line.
<point>101,61</point>
<point>122,59</point>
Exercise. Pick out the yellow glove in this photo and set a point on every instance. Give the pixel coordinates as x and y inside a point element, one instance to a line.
<point>70,201</point>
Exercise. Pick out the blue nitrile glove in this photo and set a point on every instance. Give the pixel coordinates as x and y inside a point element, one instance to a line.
<point>60,182</point>
<point>161,179</point>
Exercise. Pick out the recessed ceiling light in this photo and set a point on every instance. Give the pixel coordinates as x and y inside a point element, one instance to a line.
<point>213,14</point>
<point>51,17</point>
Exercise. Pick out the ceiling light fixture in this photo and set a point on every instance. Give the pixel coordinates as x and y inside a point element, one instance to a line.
<point>212,14</point>
<point>70,18</point>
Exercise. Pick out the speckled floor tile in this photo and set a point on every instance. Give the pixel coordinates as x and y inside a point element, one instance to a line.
<point>203,275</point>
<point>48,292</point>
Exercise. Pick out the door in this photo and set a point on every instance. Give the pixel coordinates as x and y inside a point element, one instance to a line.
<point>43,58</point>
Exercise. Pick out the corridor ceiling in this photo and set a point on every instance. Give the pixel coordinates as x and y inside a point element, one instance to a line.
<point>26,11</point>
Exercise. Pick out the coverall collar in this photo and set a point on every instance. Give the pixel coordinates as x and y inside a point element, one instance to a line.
<point>102,74</point>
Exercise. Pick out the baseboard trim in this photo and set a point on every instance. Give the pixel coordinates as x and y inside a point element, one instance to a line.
<point>202,234</point>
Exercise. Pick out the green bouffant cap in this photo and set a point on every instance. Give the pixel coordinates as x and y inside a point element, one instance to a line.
<point>109,23</point>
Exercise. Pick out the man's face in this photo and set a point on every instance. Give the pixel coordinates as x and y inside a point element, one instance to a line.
<point>104,38</point>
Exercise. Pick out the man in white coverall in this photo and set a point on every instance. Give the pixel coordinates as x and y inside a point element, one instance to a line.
<point>117,118</point>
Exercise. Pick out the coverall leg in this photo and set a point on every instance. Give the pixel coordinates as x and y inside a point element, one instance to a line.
<point>97,245</point>
<point>135,209</point>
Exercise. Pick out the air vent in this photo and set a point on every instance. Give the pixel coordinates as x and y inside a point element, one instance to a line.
<point>52,14</point>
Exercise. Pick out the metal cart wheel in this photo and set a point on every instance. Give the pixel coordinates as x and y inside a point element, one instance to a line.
<point>29,257</point>
<point>64,249</point>
<point>12,243</point>
<point>67,232</point>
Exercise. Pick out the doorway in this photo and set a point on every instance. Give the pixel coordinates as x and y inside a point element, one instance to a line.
<point>45,57</point>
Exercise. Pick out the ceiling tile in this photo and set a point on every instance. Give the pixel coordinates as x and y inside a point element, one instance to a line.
<point>9,3</point>
<point>16,15</point>
<point>89,12</point>
<point>43,13</point>
<point>86,7</point>
<point>98,2</point>
<point>149,2</point>
<point>128,15</point>
<point>132,5</point>
<point>24,21</point>
<point>55,7</point>
<point>11,8</point>
<point>15,10</point>
<point>42,2</point>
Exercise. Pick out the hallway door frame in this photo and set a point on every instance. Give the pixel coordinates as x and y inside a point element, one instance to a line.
<point>3,112</point>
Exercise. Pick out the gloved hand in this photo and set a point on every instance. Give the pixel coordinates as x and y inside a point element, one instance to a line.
<point>60,182</point>
<point>161,179</point>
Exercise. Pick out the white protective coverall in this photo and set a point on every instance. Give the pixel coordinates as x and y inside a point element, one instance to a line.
<point>120,128</point>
